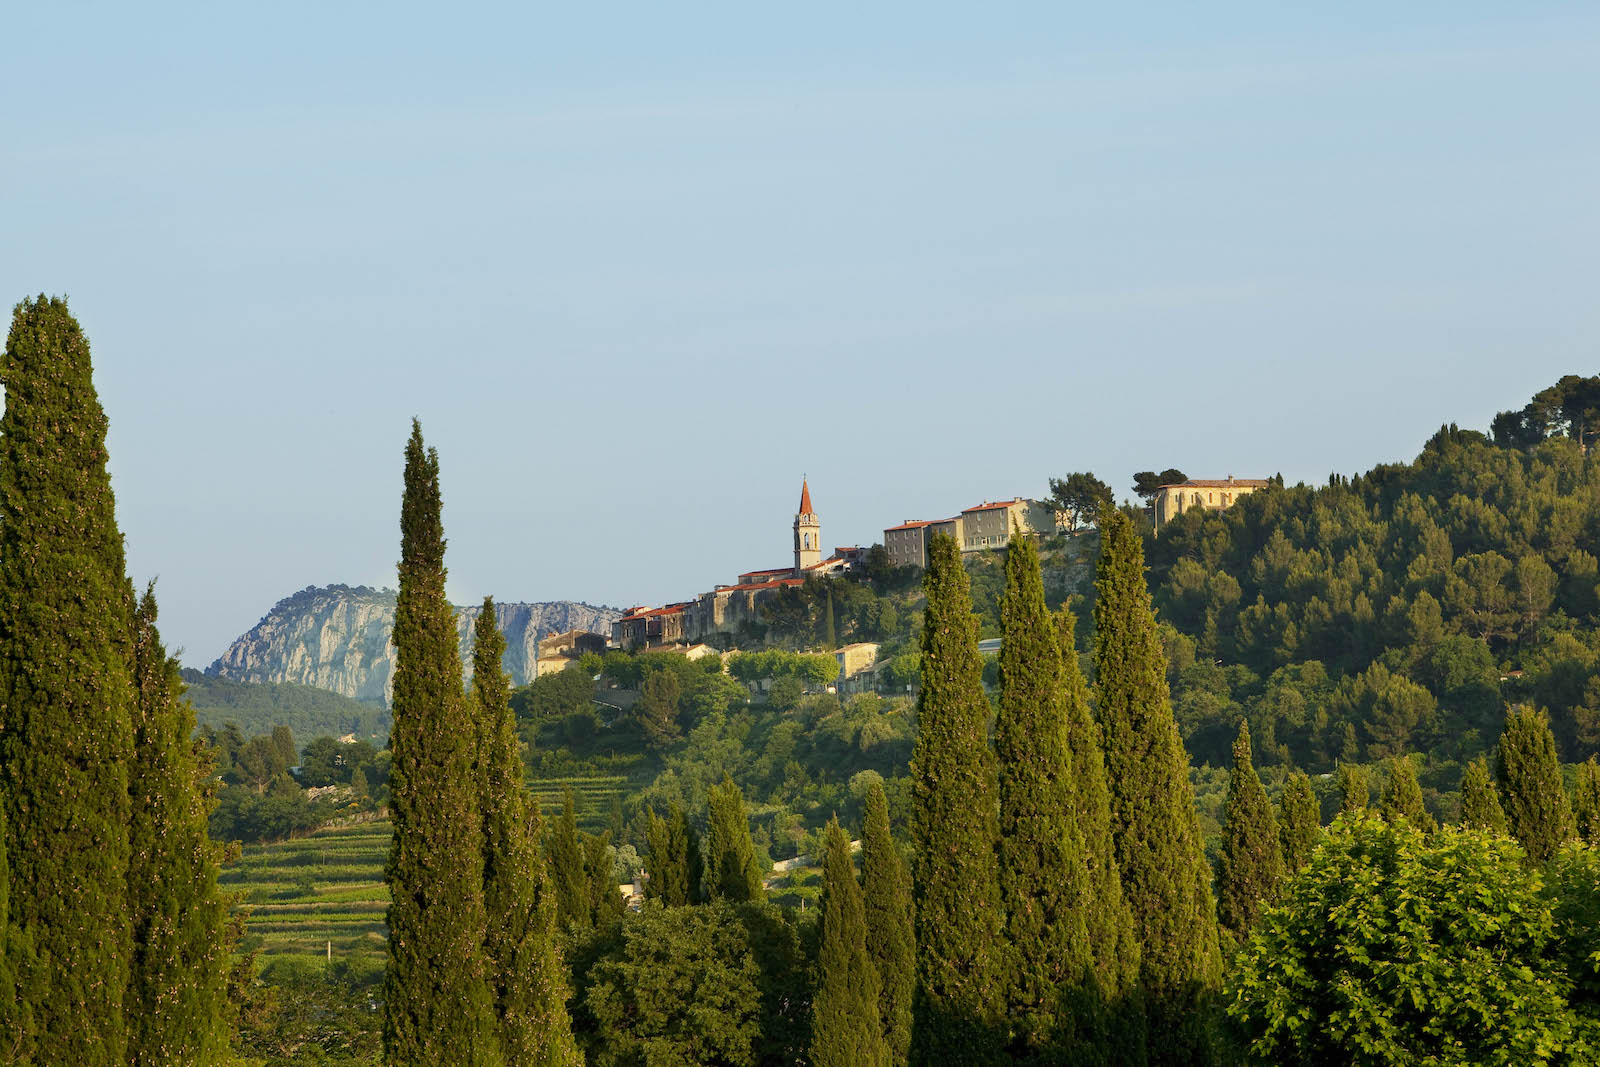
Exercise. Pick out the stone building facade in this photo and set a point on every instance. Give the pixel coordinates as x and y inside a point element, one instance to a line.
<point>1216,494</point>
<point>986,526</point>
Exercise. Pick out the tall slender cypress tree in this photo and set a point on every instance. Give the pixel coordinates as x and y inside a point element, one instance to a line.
<point>1299,822</point>
<point>891,944</point>
<point>734,873</point>
<point>1043,876</point>
<point>1108,920</point>
<point>1252,862</point>
<point>66,687</point>
<point>845,1028</point>
<point>438,1004</point>
<point>568,877</point>
<point>1160,853</point>
<point>955,828</point>
<point>1531,790</point>
<point>1480,807</point>
<point>1586,812</point>
<point>177,993</point>
<point>527,975</point>
<point>1402,797</point>
<point>1353,788</point>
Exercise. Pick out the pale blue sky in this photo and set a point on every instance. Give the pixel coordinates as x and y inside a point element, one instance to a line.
<point>639,267</point>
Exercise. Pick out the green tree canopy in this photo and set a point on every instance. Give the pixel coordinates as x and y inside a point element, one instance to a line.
<point>1252,861</point>
<point>1299,822</point>
<point>1531,790</point>
<point>1480,806</point>
<point>891,945</point>
<point>845,1026</point>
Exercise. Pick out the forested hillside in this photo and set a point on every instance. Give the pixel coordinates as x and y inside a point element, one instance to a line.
<point>257,707</point>
<point>1392,612</point>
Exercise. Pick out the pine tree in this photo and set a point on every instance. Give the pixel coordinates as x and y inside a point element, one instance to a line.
<point>845,1027</point>
<point>1252,864</point>
<point>1531,791</point>
<point>177,993</point>
<point>1299,823</point>
<point>66,687</point>
<point>1402,798</point>
<point>1043,876</point>
<point>438,1005</point>
<point>1480,807</point>
<point>358,785</point>
<point>1160,853</point>
<point>1353,789</point>
<point>1586,812</point>
<point>568,877</point>
<point>730,854</point>
<point>955,829</point>
<point>526,972</point>
<point>886,898</point>
<point>1107,918</point>
<point>657,710</point>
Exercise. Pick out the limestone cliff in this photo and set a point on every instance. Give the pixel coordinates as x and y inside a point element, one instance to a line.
<point>337,638</point>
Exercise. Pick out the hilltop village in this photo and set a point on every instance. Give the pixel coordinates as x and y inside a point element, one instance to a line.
<point>983,527</point>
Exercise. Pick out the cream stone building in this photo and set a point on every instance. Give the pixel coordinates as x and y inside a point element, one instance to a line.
<point>989,525</point>
<point>1216,494</point>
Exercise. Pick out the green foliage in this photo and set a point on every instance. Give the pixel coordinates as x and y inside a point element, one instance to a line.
<point>1354,791</point>
<point>175,1002</point>
<point>259,707</point>
<point>438,1006</point>
<point>1082,496</point>
<point>1531,790</point>
<point>1299,823</point>
<point>732,872</point>
<point>954,830</point>
<point>846,1030</point>
<point>675,987</point>
<point>552,697</point>
<point>674,862</point>
<point>1394,947</point>
<point>328,761</point>
<point>1108,920</point>
<point>1480,806</point>
<point>1586,811</point>
<point>891,945</point>
<point>17,965</point>
<point>1402,797</point>
<point>1159,851</point>
<point>657,710</point>
<point>1252,860</point>
<point>527,975</point>
<point>66,693</point>
<point>1043,874</point>
<point>568,872</point>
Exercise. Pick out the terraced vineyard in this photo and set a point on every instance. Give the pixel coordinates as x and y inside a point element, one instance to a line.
<point>305,893</point>
<point>328,887</point>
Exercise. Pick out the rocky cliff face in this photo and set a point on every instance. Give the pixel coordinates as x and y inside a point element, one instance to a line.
<point>337,638</point>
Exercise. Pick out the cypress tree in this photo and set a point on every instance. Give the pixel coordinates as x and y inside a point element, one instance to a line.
<point>955,829</point>
<point>1402,798</point>
<point>1108,920</point>
<point>694,863</point>
<point>845,1027</point>
<point>526,972</point>
<point>1252,864</point>
<point>886,898</point>
<point>177,993</point>
<point>568,876</point>
<point>1299,822</point>
<point>734,873</point>
<point>1160,853</point>
<point>283,744</point>
<point>1353,794</point>
<point>17,962</point>
<point>438,1005</point>
<point>66,687</point>
<point>1043,878</point>
<point>1586,813</point>
<point>605,900</point>
<point>668,843</point>
<point>1531,791</point>
<point>1480,807</point>
<point>829,634</point>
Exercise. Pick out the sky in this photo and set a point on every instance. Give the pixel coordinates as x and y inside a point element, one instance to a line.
<point>639,268</point>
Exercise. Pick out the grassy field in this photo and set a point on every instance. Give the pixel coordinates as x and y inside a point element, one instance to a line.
<point>328,887</point>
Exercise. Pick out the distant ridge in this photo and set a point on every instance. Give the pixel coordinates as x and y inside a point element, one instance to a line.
<point>336,638</point>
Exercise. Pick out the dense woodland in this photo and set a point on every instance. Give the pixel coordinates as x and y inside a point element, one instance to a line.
<point>1067,852</point>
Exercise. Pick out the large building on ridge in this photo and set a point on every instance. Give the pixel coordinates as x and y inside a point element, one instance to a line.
<point>1213,494</point>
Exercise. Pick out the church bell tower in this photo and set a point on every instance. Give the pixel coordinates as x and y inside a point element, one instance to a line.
<point>807,534</point>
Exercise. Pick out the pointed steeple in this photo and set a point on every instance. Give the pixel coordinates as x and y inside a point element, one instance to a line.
<point>807,534</point>
<point>805,498</point>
